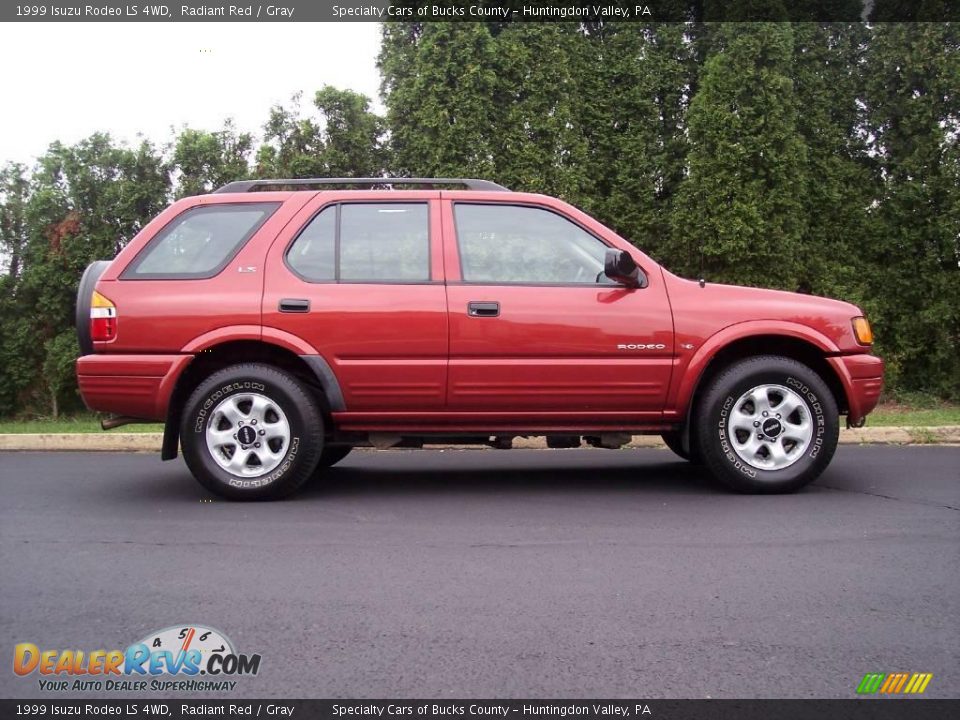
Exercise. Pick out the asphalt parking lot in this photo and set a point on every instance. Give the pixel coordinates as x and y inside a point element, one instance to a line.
<point>497,574</point>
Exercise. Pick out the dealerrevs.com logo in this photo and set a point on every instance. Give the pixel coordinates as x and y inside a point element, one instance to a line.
<point>178,658</point>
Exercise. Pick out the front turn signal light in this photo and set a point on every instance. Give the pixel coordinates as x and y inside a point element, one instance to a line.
<point>862,331</point>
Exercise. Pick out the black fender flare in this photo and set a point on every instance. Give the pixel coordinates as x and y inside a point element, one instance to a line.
<point>318,366</point>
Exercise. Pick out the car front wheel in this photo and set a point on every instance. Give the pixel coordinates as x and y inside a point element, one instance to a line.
<point>251,432</point>
<point>768,424</point>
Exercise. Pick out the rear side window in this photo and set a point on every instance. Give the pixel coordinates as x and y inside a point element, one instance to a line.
<point>365,242</point>
<point>200,242</point>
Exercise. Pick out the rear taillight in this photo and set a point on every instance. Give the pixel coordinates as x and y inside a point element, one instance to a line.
<point>103,318</point>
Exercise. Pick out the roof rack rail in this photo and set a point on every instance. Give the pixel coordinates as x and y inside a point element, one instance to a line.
<point>242,186</point>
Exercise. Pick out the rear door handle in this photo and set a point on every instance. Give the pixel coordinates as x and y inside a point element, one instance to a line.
<point>294,305</point>
<point>483,309</point>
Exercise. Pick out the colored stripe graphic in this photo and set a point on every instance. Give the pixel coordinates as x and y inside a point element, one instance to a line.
<point>870,683</point>
<point>889,682</point>
<point>894,683</point>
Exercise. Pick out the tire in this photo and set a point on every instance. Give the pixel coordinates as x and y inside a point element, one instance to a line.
<point>795,446</point>
<point>88,283</point>
<point>236,400</point>
<point>674,441</point>
<point>332,454</point>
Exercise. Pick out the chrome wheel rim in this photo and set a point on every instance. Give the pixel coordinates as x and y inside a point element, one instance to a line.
<point>248,434</point>
<point>770,427</point>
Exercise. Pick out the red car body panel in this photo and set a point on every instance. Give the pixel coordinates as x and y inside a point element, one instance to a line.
<point>711,317</point>
<point>386,343</point>
<point>408,357</point>
<point>132,385</point>
<point>862,378</point>
<point>522,423</point>
<point>167,315</point>
<point>555,348</point>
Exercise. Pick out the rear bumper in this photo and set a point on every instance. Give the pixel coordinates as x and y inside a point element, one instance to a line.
<point>134,385</point>
<point>862,378</point>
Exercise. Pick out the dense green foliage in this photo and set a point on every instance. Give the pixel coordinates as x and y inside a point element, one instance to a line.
<point>913,91</point>
<point>810,156</point>
<point>79,204</point>
<point>803,156</point>
<point>741,202</point>
<point>347,141</point>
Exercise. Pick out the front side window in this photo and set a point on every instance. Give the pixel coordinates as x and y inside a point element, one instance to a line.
<point>517,244</point>
<point>200,242</point>
<point>361,242</point>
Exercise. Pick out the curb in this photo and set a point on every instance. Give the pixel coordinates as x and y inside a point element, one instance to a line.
<point>95,441</point>
<point>150,442</point>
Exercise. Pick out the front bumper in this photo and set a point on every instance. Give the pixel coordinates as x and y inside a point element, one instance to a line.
<point>862,378</point>
<point>137,386</point>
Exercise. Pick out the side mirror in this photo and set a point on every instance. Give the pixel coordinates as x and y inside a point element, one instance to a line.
<point>619,266</point>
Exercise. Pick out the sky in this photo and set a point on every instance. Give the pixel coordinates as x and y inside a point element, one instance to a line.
<point>64,81</point>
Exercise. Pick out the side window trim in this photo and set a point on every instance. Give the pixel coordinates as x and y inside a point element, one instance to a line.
<point>337,217</point>
<point>130,271</point>
<point>337,205</point>
<point>520,283</point>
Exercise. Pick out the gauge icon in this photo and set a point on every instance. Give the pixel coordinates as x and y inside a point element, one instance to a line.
<point>180,639</point>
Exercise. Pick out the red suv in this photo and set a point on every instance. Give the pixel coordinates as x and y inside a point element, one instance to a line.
<point>274,325</point>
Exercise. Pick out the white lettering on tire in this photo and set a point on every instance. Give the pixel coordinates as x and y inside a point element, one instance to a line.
<point>817,409</point>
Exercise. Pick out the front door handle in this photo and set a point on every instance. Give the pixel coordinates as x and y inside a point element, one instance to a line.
<point>483,309</point>
<point>294,305</point>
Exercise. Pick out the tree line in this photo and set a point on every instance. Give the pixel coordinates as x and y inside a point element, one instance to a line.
<point>819,157</point>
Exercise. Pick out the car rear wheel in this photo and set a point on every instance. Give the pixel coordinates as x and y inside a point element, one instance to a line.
<point>767,425</point>
<point>251,432</point>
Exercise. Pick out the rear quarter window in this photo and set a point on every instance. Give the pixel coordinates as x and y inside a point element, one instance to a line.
<point>199,242</point>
